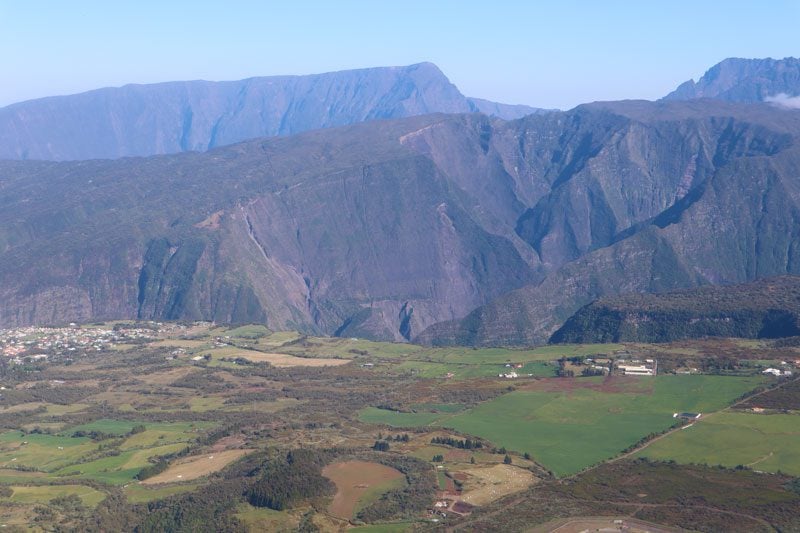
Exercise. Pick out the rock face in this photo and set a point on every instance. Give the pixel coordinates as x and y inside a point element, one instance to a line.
<point>649,197</point>
<point>350,231</point>
<point>141,120</point>
<point>744,80</point>
<point>440,228</point>
<point>766,308</point>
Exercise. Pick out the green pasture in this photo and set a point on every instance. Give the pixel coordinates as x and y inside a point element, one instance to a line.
<point>373,415</point>
<point>117,469</point>
<point>473,370</point>
<point>250,331</point>
<point>43,494</point>
<point>65,456</point>
<point>568,431</point>
<point>40,451</point>
<point>762,442</point>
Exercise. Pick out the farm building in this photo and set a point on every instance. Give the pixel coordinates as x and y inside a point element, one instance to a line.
<point>637,370</point>
<point>687,416</point>
<point>777,372</point>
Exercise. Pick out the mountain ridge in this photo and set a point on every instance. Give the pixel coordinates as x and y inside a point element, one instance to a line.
<point>172,117</point>
<point>744,80</point>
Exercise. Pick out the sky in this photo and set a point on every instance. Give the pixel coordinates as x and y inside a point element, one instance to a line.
<point>554,54</point>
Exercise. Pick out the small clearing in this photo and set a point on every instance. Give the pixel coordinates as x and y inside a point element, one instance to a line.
<point>356,481</point>
<point>486,485</point>
<point>196,466</point>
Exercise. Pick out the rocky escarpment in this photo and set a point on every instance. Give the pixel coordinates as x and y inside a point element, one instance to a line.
<point>768,308</point>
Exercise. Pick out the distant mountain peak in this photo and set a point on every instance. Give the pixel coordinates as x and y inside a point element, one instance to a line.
<point>171,117</point>
<point>744,80</point>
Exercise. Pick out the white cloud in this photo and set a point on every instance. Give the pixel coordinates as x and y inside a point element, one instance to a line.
<point>784,100</point>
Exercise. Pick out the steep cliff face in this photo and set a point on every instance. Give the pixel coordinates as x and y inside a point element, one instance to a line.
<point>347,231</point>
<point>726,212</point>
<point>744,80</point>
<point>440,228</point>
<point>141,120</point>
<point>767,308</point>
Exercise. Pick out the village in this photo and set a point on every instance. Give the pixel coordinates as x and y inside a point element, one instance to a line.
<point>30,344</point>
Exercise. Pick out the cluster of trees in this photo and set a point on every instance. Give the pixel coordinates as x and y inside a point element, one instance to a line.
<point>152,470</point>
<point>407,501</point>
<point>397,438</point>
<point>203,381</point>
<point>286,482</point>
<point>461,444</point>
<point>381,446</point>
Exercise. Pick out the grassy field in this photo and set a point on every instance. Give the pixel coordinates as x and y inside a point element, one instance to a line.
<point>43,452</point>
<point>763,442</point>
<point>426,369</point>
<point>358,483</point>
<point>264,519</point>
<point>373,415</point>
<point>571,424</point>
<point>43,494</point>
<point>64,456</point>
<point>250,331</point>
<point>117,469</point>
<point>572,429</point>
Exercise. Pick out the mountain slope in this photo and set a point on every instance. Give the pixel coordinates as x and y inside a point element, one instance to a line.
<point>444,228</point>
<point>140,120</point>
<point>717,205</point>
<point>744,80</point>
<point>343,230</point>
<point>763,309</point>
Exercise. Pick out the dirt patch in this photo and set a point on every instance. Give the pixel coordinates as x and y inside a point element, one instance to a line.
<point>212,222</point>
<point>281,360</point>
<point>196,466</point>
<point>486,485</point>
<point>354,479</point>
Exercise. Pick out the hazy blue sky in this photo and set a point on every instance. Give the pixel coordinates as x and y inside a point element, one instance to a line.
<point>555,54</point>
